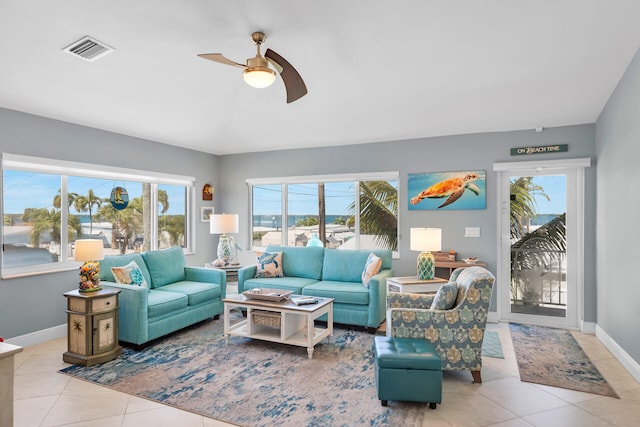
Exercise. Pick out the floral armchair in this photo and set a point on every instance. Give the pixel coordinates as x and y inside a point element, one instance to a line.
<point>457,332</point>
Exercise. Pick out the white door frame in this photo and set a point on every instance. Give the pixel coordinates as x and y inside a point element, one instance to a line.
<point>574,169</point>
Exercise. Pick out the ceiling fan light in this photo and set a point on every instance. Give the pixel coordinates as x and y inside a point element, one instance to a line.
<point>259,77</point>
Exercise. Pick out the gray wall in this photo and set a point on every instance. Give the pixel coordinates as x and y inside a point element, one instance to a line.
<point>618,151</point>
<point>35,303</point>
<point>451,153</point>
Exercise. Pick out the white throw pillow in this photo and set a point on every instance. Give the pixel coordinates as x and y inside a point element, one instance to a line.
<point>129,274</point>
<point>371,268</point>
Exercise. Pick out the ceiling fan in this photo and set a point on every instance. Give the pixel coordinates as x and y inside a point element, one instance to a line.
<point>257,72</point>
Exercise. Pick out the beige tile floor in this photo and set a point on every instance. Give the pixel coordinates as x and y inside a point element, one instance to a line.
<point>43,397</point>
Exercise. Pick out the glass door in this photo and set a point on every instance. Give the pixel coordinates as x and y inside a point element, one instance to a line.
<point>539,247</point>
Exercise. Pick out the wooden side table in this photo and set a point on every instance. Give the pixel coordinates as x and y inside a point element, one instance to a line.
<point>231,270</point>
<point>92,327</point>
<point>452,265</point>
<point>413,285</point>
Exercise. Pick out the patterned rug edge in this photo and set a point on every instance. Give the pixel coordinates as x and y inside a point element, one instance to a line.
<point>491,345</point>
<point>542,364</point>
<point>149,399</point>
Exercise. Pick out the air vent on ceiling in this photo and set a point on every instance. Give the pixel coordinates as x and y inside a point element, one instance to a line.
<point>88,49</point>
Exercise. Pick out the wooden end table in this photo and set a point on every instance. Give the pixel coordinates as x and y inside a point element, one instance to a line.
<point>413,285</point>
<point>92,327</point>
<point>452,265</point>
<point>231,270</point>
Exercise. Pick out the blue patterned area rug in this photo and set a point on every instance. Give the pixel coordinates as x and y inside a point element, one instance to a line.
<point>491,346</point>
<point>256,383</point>
<point>553,357</point>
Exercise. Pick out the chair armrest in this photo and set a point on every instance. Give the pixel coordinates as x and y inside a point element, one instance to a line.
<point>207,275</point>
<point>377,297</point>
<point>409,301</point>
<point>246,272</point>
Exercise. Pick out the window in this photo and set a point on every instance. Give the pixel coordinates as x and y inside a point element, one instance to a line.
<point>172,216</point>
<point>344,211</point>
<point>48,204</point>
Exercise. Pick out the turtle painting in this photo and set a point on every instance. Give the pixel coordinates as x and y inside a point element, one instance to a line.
<point>451,188</point>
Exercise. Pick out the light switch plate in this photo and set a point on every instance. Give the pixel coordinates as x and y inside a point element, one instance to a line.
<point>472,232</point>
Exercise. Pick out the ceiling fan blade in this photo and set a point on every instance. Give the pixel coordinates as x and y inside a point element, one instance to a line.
<point>293,83</point>
<point>218,57</point>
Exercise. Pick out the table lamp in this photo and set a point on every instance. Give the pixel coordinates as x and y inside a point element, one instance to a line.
<point>223,224</point>
<point>90,251</point>
<point>426,240</point>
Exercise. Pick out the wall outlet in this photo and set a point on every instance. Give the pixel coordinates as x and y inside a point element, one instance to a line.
<point>472,232</point>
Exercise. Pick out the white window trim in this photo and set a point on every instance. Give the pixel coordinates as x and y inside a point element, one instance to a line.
<point>373,176</point>
<point>63,167</point>
<point>503,275</point>
<point>66,168</point>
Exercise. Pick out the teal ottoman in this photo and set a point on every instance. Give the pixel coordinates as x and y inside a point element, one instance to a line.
<point>408,370</point>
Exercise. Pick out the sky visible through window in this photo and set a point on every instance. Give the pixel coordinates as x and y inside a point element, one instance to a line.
<point>555,187</point>
<point>303,199</point>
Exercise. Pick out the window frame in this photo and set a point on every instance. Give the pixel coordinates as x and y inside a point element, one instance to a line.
<point>65,169</point>
<point>356,178</point>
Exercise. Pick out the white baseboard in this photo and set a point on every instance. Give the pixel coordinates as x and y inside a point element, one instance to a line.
<point>493,317</point>
<point>39,337</point>
<point>622,356</point>
<point>588,327</point>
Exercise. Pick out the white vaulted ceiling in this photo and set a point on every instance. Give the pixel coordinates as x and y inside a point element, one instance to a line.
<point>376,70</point>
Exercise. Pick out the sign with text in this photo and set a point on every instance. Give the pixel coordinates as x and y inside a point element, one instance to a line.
<point>557,148</point>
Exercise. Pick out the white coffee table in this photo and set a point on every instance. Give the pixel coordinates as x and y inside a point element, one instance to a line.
<point>295,325</point>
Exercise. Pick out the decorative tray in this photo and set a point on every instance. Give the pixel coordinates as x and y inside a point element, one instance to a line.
<point>265,294</point>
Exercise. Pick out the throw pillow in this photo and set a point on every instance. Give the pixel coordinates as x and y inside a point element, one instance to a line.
<point>445,297</point>
<point>129,274</point>
<point>371,268</point>
<point>269,265</point>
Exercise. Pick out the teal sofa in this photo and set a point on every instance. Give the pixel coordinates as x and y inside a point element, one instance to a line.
<point>330,273</point>
<point>178,295</point>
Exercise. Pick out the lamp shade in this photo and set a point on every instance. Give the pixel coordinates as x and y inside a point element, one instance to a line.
<point>223,223</point>
<point>426,239</point>
<point>88,250</point>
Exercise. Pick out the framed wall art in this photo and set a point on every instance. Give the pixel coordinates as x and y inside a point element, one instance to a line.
<point>447,190</point>
<point>206,212</point>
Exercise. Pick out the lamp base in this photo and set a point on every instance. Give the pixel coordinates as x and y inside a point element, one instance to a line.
<point>426,266</point>
<point>224,248</point>
<point>90,277</point>
<point>92,288</point>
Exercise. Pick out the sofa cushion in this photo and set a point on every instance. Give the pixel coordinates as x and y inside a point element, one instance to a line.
<point>161,302</point>
<point>295,284</point>
<point>196,292</point>
<point>166,266</point>
<point>371,268</point>
<point>347,265</point>
<point>342,292</point>
<point>269,264</point>
<point>445,297</point>
<point>129,274</point>
<point>300,261</point>
<point>121,260</point>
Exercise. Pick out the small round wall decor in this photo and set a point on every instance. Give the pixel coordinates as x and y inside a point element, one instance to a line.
<point>119,198</point>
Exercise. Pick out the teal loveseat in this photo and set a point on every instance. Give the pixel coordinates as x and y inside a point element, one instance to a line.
<point>330,273</point>
<point>177,295</point>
